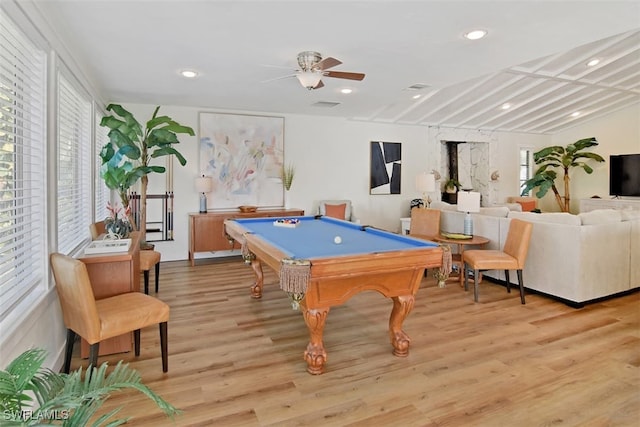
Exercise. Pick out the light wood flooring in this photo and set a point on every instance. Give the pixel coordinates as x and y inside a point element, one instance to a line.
<point>236,361</point>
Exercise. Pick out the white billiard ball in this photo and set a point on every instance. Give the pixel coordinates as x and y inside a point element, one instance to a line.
<point>337,240</point>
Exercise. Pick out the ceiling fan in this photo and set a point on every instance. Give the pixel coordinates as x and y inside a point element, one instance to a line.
<point>313,68</point>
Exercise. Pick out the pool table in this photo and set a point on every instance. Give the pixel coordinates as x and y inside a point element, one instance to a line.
<point>319,271</point>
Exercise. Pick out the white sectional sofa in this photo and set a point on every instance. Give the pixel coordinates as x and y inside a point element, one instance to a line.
<point>577,258</point>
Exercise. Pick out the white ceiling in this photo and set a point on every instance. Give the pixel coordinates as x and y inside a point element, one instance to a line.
<point>533,57</point>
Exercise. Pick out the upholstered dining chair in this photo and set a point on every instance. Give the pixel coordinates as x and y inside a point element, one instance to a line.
<point>148,258</point>
<point>96,320</point>
<point>340,209</point>
<point>512,257</point>
<point>425,223</point>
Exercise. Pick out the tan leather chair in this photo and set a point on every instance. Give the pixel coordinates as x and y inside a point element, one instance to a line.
<point>512,257</point>
<point>148,258</point>
<point>425,223</point>
<point>96,229</point>
<point>96,320</point>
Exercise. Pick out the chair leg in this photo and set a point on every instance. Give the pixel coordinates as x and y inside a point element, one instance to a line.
<point>71,337</point>
<point>164,346</point>
<point>521,283</point>
<point>146,282</point>
<point>94,349</point>
<point>476,274</point>
<point>157,276</point>
<point>136,342</point>
<point>465,271</point>
<point>506,276</point>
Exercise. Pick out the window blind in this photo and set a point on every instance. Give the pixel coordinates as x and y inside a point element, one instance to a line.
<point>101,192</point>
<point>74,167</point>
<point>22,166</point>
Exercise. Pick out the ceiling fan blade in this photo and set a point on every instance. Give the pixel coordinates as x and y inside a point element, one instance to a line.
<point>344,75</point>
<point>319,85</point>
<point>278,78</point>
<point>326,63</point>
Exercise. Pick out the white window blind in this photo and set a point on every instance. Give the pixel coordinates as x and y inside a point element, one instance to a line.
<point>74,167</point>
<point>101,192</point>
<point>525,166</point>
<point>22,166</point>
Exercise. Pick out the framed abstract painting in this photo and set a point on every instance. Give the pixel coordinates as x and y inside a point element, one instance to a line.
<point>386,167</point>
<point>244,155</point>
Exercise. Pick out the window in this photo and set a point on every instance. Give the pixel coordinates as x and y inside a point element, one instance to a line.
<point>22,166</point>
<point>101,192</point>
<point>526,166</point>
<point>74,167</point>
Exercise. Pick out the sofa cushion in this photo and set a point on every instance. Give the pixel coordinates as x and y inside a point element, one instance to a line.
<point>551,217</point>
<point>335,211</point>
<point>443,206</point>
<point>630,215</point>
<point>600,216</point>
<point>499,211</point>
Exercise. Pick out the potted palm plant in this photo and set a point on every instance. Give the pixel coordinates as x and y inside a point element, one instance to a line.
<point>65,399</point>
<point>126,158</point>
<point>564,158</point>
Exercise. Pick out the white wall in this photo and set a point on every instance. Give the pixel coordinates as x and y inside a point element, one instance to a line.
<point>331,157</point>
<point>332,161</point>
<point>617,133</point>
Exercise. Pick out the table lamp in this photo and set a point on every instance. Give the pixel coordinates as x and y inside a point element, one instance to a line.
<point>204,184</point>
<point>468,201</point>
<point>426,182</point>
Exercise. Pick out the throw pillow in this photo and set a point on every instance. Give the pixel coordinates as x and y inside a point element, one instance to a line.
<point>335,211</point>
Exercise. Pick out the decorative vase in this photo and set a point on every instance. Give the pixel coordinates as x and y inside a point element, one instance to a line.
<point>287,202</point>
<point>117,228</point>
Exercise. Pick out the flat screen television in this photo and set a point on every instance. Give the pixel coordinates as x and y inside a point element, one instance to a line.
<point>624,175</point>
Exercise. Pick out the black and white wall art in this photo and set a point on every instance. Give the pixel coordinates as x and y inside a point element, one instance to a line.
<point>386,167</point>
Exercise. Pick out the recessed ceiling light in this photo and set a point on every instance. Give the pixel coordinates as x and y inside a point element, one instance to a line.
<point>593,62</point>
<point>475,34</point>
<point>575,114</point>
<point>346,90</point>
<point>416,96</point>
<point>506,106</point>
<point>190,74</point>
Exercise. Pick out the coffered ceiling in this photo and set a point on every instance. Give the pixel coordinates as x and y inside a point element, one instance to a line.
<point>533,58</point>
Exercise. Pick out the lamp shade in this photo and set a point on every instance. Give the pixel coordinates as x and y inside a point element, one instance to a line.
<point>204,184</point>
<point>425,182</point>
<point>468,201</point>
<point>309,79</point>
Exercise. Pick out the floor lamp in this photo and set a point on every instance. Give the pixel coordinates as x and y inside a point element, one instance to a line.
<point>204,184</point>
<point>468,201</point>
<point>425,183</point>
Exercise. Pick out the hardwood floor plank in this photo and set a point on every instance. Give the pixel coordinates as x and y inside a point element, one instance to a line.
<point>237,361</point>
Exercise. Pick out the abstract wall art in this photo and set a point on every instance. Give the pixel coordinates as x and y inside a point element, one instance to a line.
<point>244,156</point>
<point>386,167</point>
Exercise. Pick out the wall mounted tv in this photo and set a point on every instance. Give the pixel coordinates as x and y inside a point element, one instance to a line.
<point>624,175</point>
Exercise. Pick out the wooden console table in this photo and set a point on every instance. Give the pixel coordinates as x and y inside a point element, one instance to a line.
<point>113,274</point>
<point>206,230</point>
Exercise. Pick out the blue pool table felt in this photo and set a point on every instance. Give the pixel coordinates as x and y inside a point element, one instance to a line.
<point>314,238</point>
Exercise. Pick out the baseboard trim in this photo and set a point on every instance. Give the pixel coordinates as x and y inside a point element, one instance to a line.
<point>570,303</point>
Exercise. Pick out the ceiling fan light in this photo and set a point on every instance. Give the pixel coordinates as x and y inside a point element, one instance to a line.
<point>309,79</point>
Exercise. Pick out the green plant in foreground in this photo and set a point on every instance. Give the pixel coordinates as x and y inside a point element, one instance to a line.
<point>65,399</point>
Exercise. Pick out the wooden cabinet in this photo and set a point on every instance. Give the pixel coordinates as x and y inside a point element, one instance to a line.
<point>113,274</point>
<point>206,230</point>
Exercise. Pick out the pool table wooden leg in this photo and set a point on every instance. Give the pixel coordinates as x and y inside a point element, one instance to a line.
<point>402,306</point>
<point>315,354</point>
<point>256,289</point>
